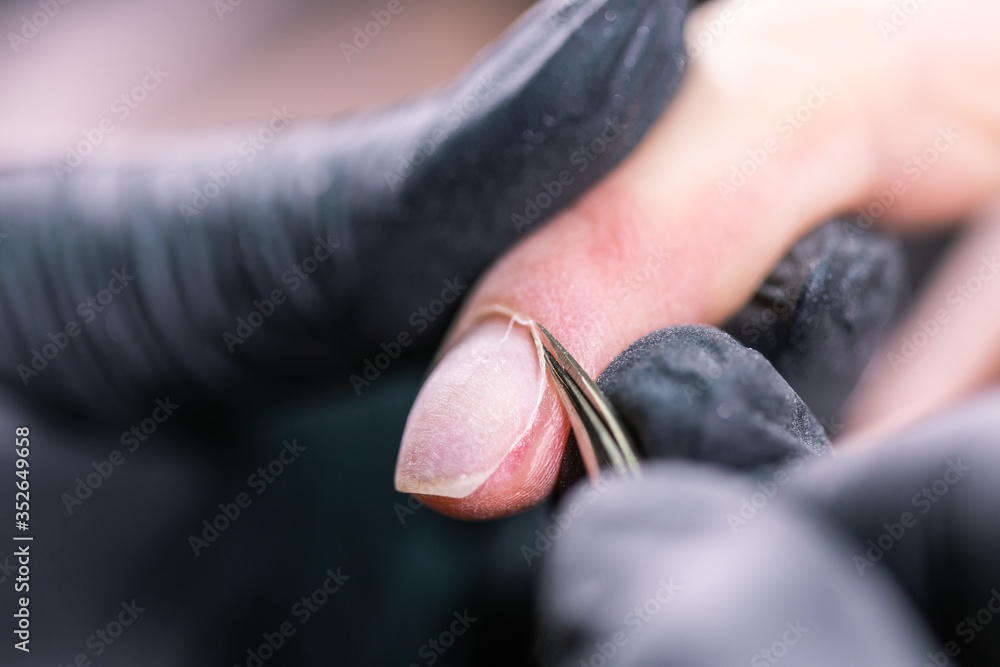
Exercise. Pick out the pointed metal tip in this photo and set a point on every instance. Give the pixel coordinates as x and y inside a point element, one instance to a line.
<point>604,442</point>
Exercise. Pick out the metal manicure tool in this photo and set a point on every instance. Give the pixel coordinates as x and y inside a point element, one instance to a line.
<point>604,443</point>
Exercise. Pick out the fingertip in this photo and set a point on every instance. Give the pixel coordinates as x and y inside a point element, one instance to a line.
<point>525,478</point>
<point>486,435</point>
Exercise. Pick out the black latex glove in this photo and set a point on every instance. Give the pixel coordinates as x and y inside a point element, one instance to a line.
<point>694,392</point>
<point>816,321</point>
<point>886,557</point>
<point>823,311</point>
<point>776,564</point>
<point>405,233</point>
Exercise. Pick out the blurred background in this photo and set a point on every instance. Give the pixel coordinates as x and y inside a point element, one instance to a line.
<point>409,571</point>
<point>229,61</point>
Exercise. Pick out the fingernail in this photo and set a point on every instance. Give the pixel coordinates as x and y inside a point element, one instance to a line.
<point>475,407</point>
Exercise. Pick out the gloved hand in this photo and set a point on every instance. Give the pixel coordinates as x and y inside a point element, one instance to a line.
<point>776,128</point>
<point>714,568</point>
<point>885,557</point>
<point>340,246</point>
<point>695,393</point>
<point>824,310</point>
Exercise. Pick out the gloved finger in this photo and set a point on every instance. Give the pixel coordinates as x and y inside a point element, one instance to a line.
<point>947,348</point>
<point>824,310</point>
<point>660,241</point>
<point>817,319</point>
<point>925,508</point>
<point>707,205</point>
<point>696,393</point>
<point>339,240</point>
<point>650,573</point>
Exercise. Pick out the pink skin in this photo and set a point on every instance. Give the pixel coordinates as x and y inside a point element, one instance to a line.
<point>718,249</point>
<point>956,329</point>
<point>530,279</point>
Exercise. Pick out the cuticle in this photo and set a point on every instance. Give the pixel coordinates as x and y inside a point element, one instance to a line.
<point>511,315</point>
